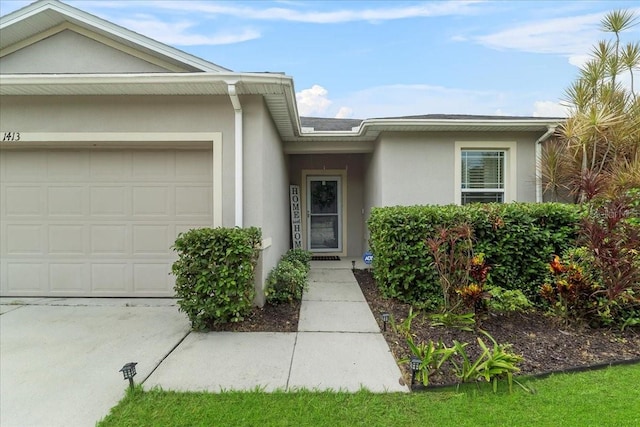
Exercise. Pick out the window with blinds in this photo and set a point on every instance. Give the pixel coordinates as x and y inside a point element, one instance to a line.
<point>482,176</point>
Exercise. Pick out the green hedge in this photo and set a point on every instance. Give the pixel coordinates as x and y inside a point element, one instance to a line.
<point>518,240</point>
<point>215,273</point>
<point>288,280</point>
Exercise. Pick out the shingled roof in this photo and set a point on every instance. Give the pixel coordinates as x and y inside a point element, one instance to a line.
<point>324,124</point>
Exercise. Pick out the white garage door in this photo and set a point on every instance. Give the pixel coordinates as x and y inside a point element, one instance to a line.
<point>98,222</point>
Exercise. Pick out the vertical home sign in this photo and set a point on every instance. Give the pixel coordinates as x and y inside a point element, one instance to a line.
<point>296,217</point>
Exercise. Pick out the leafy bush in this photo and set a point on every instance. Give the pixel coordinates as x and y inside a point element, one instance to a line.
<point>503,300</point>
<point>215,273</point>
<point>300,255</point>
<point>599,282</point>
<point>492,364</point>
<point>288,279</point>
<point>517,240</point>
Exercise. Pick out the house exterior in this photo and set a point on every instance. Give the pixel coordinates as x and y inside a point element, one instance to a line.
<point>112,144</point>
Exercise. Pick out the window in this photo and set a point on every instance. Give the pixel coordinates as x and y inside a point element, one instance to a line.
<point>483,176</point>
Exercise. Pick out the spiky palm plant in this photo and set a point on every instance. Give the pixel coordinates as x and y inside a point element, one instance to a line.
<point>597,148</point>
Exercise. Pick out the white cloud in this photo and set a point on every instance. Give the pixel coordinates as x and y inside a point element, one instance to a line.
<point>176,33</point>
<point>313,101</point>
<point>571,35</point>
<point>550,109</point>
<point>344,113</point>
<point>579,60</point>
<point>428,9</point>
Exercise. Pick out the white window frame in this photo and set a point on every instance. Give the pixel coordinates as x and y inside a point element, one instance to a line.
<point>510,171</point>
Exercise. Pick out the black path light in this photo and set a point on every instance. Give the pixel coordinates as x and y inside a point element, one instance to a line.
<point>385,319</point>
<point>129,371</point>
<point>415,366</point>
<point>353,265</point>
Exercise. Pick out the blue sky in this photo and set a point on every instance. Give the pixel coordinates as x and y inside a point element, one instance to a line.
<point>365,59</point>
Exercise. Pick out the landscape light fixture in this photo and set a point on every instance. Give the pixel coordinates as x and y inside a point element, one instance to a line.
<point>415,366</point>
<point>129,371</point>
<point>353,265</point>
<point>385,319</point>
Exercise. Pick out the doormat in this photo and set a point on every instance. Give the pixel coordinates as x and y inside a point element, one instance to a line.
<point>325,258</point>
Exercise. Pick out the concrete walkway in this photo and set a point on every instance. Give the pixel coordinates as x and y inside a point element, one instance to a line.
<point>60,357</point>
<point>338,346</point>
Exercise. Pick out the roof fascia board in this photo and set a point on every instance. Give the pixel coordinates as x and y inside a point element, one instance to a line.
<point>93,22</point>
<point>458,122</point>
<point>142,78</point>
<point>94,36</point>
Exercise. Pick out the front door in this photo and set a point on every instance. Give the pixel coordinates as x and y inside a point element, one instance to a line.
<point>324,213</point>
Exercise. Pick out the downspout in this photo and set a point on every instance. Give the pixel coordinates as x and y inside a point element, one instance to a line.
<point>239,172</point>
<point>550,131</point>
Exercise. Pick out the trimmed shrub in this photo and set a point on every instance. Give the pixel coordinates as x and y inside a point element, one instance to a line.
<point>300,255</point>
<point>517,239</point>
<point>215,273</point>
<point>288,279</point>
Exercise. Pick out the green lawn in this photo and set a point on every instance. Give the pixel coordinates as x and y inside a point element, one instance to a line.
<point>607,397</point>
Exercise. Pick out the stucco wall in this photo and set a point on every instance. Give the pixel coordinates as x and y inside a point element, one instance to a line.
<point>354,166</point>
<point>418,168</point>
<point>266,188</point>
<point>415,169</point>
<point>70,52</point>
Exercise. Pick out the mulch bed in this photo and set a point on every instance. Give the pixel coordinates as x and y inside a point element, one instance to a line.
<point>270,318</point>
<point>545,343</point>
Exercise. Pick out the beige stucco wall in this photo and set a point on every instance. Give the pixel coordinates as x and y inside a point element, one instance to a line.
<point>415,169</point>
<point>70,52</point>
<point>266,188</point>
<point>353,164</point>
<point>418,168</point>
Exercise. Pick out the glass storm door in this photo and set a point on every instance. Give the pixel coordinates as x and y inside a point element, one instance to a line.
<point>324,209</point>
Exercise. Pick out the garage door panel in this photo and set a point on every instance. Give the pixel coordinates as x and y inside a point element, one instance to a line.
<point>24,239</point>
<point>110,278</point>
<point>109,201</point>
<point>193,166</point>
<point>26,278</point>
<point>24,166</point>
<point>66,239</point>
<point>110,166</point>
<point>98,222</point>
<point>152,239</point>
<point>150,200</point>
<point>68,278</point>
<point>193,200</point>
<point>152,277</point>
<point>149,166</point>
<point>67,166</point>
<point>109,239</point>
<point>66,201</point>
<point>24,201</point>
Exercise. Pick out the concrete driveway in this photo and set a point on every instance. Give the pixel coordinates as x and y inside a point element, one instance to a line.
<point>60,358</point>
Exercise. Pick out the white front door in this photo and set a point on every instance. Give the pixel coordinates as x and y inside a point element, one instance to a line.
<point>324,213</point>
